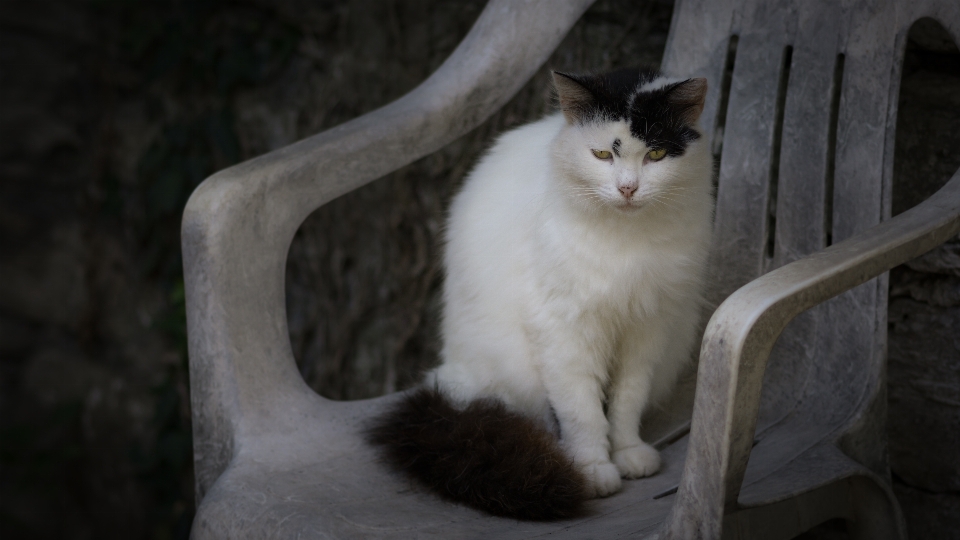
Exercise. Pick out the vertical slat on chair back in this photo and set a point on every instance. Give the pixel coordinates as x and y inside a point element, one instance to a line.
<point>846,378</point>
<point>801,218</point>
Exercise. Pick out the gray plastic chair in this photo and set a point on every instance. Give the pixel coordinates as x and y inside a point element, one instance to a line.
<point>775,446</point>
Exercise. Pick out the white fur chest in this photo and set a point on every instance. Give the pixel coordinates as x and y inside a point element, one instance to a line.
<point>619,271</point>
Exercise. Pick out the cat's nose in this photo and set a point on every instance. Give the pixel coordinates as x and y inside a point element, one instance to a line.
<point>627,190</point>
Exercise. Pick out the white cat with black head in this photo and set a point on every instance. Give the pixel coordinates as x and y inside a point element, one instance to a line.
<point>574,260</point>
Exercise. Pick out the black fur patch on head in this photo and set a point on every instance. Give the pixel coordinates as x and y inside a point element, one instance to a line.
<point>661,117</point>
<point>484,456</point>
<point>660,121</point>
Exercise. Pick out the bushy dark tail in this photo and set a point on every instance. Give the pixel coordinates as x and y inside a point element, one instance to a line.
<point>484,456</point>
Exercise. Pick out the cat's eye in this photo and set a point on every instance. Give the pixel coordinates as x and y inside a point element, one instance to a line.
<point>657,154</point>
<point>602,154</point>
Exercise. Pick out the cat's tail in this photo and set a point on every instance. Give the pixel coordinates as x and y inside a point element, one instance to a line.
<point>483,455</point>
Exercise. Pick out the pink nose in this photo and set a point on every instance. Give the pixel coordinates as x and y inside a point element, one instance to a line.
<point>628,190</point>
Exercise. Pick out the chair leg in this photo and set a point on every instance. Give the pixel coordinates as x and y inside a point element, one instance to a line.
<point>788,518</point>
<point>876,513</point>
<point>869,509</point>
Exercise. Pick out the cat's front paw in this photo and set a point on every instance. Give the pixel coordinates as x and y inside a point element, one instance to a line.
<point>602,479</point>
<point>637,461</point>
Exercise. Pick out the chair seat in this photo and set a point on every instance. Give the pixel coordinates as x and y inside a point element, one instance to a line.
<point>322,480</point>
<point>325,481</point>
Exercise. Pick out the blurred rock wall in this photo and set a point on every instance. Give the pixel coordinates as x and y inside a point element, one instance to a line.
<point>114,111</point>
<point>924,314</point>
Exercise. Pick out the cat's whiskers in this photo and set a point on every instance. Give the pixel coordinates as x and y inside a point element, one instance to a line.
<point>665,201</point>
<point>584,194</point>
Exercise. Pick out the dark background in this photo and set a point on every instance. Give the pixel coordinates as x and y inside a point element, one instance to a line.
<point>112,112</point>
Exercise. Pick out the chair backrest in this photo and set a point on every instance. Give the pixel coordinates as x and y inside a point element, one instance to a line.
<point>804,135</point>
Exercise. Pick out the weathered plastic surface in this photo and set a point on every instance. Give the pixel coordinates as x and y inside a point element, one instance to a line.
<point>770,460</point>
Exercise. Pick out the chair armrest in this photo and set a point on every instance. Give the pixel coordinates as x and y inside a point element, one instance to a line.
<point>238,224</point>
<point>742,332</point>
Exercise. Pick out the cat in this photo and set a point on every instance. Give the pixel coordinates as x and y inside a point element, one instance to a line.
<point>574,270</point>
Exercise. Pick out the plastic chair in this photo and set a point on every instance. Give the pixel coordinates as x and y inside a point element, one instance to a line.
<point>775,446</point>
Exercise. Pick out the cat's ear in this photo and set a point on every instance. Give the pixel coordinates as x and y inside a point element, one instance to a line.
<point>688,97</point>
<point>575,99</point>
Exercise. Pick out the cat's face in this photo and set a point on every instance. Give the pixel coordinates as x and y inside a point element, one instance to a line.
<point>609,166</point>
<point>628,138</point>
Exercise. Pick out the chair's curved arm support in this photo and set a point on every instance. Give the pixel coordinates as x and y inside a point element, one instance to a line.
<point>742,332</point>
<point>238,225</point>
